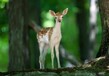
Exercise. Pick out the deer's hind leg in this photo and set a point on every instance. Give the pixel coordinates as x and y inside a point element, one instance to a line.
<point>45,53</point>
<point>41,48</point>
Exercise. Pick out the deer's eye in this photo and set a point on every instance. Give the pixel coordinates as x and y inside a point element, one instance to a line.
<point>55,17</point>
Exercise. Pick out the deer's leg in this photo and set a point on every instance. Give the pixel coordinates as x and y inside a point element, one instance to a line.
<point>57,54</point>
<point>52,55</point>
<point>41,48</point>
<point>44,54</point>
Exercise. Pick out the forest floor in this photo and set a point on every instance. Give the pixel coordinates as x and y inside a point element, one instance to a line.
<point>96,67</point>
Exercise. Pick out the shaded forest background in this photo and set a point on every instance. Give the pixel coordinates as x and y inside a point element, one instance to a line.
<point>76,29</point>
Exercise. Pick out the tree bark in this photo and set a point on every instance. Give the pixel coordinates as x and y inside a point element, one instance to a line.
<point>104,13</point>
<point>18,35</point>
<point>82,22</point>
<point>16,61</point>
<point>26,52</point>
<point>92,27</point>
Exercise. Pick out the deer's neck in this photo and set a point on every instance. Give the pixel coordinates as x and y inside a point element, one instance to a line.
<point>57,27</point>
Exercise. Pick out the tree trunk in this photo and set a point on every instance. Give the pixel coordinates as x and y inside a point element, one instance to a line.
<point>16,61</point>
<point>26,52</point>
<point>82,22</point>
<point>92,27</point>
<point>35,14</point>
<point>18,35</point>
<point>104,12</point>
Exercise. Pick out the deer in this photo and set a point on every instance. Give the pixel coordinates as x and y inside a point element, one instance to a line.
<point>50,37</point>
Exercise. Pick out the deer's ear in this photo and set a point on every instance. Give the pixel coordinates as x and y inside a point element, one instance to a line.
<point>65,11</point>
<point>52,13</point>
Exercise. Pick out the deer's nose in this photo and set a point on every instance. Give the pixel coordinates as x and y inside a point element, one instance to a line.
<point>59,20</point>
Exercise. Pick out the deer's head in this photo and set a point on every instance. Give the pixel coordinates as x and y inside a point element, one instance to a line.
<point>58,16</point>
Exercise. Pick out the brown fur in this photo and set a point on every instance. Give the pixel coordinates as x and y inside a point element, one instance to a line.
<point>58,14</point>
<point>43,31</point>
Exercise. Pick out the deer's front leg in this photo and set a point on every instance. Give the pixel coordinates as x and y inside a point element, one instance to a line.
<point>52,55</point>
<point>57,54</point>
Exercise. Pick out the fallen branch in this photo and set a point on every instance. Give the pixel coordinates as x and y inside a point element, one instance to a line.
<point>69,57</point>
<point>34,26</point>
